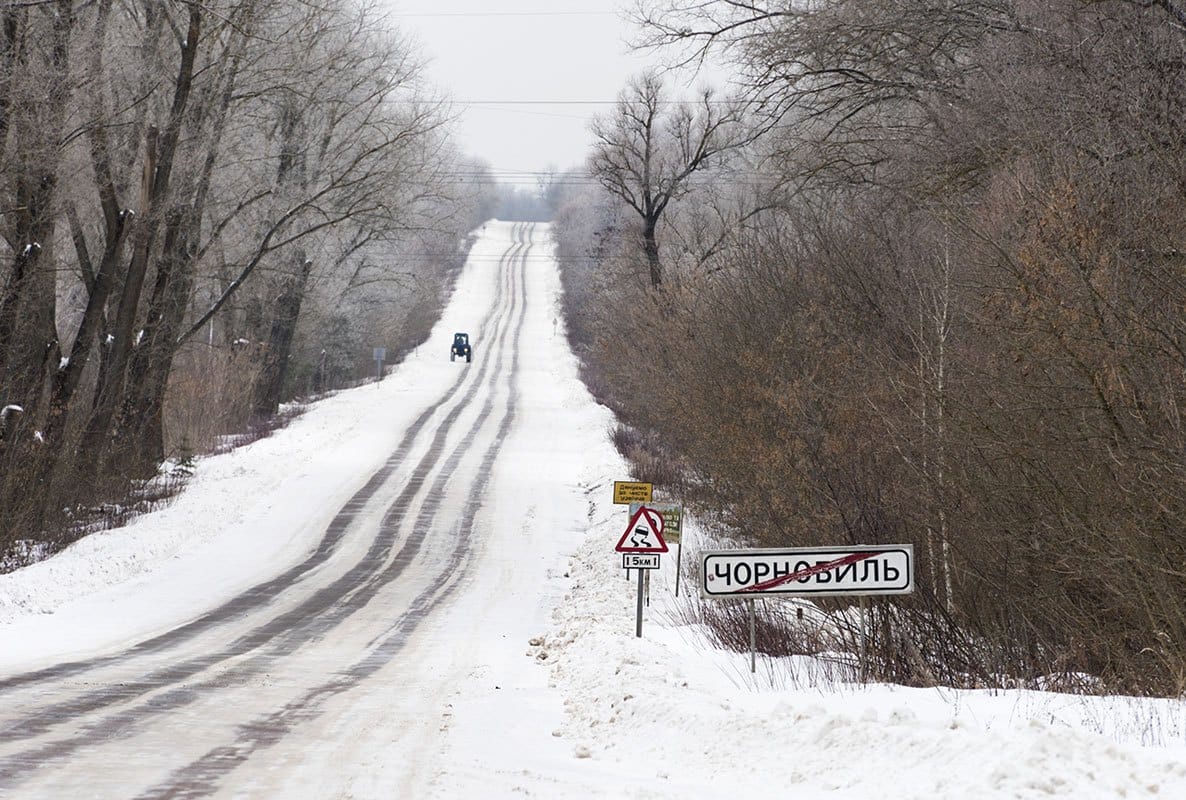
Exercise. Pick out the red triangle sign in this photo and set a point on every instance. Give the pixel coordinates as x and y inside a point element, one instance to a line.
<point>644,534</point>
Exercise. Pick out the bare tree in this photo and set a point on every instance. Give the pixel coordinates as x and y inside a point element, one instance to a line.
<point>647,150</point>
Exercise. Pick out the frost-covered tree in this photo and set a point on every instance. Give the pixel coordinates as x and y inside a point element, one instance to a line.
<point>161,165</point>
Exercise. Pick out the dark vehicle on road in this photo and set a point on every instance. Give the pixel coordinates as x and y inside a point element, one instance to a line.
<point>461,347</point>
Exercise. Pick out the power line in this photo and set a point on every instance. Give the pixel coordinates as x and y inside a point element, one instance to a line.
<point>585,102</point>
<point>536,102</point>
<point>475,107</point>
<point>508,14</point>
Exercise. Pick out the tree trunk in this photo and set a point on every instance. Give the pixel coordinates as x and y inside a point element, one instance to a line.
<point>30,295</point>
<point>10,28</point>
<point>99,282</point>
<point>119,346</point>
<point>155,188</point>
<point>28,336</point>
<point>650,246</point>
<point>26,348</point>
<point>141,424</point>
<point>270,383</point>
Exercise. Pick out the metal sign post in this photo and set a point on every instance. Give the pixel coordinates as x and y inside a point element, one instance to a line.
<point>638,623</point>
<point>861,654</point>
<point>679,553</point>
<point>641,545</point>
<point>643,563</point>
<point>380,355</point>
<point>753,636</point>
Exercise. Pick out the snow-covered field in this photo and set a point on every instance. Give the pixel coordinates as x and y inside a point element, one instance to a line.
<point>529,681</point>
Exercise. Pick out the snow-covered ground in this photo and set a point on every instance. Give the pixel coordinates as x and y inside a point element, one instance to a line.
<point>529,680</point>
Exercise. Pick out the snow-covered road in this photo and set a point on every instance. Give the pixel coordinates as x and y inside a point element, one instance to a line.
<point>411,592</point>
<point>321,661</point>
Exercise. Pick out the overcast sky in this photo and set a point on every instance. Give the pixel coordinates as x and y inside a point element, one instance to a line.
<point>527,74</point>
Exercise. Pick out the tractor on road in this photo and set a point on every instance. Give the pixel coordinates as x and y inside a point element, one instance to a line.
<point>461,347</point>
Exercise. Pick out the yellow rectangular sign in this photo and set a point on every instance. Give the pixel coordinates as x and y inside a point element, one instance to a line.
<point>626,492</point>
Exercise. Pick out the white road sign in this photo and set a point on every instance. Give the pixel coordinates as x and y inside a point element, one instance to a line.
<point>640,560</point>
<point>861,570</point>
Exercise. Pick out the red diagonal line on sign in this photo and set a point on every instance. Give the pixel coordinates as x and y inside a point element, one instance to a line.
<point>807,573</point>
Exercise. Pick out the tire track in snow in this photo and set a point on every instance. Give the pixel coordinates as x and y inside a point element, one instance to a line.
<point>327,608</point>
<point>122,724</point>
<point>263,593</point>
<point>201,778</point>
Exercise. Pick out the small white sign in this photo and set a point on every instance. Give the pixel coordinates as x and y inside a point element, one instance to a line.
<point>640,561</point>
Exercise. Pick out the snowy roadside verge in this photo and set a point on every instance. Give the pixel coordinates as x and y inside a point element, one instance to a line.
<point>245,515</point>
<point>682,717</point>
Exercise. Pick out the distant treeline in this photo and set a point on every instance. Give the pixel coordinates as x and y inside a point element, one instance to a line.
<point>519,204</point>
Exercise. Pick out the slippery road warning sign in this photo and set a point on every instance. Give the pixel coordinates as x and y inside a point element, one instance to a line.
<point>644,534</point>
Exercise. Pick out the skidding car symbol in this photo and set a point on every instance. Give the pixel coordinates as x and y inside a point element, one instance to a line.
<point>639,537</point>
